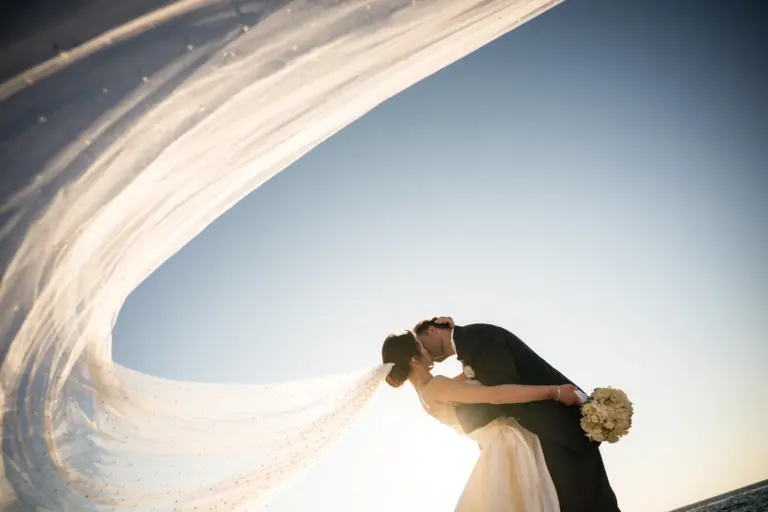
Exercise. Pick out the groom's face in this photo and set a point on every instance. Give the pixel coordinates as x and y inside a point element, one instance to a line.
<point>432,343</point>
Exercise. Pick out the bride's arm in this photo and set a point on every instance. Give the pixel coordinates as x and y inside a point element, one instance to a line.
<point>450,390</point>
<point>460,377</point>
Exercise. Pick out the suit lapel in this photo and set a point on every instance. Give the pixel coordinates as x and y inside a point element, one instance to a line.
<point>460,341</point>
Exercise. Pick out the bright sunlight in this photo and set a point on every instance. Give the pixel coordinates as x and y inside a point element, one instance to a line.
<point>411,445</point>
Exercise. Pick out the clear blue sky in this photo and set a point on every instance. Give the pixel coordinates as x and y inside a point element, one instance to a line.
<point>594,181</point>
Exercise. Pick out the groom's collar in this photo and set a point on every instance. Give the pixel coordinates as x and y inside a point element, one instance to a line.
<point>464,349</point>
<point>458,342</point>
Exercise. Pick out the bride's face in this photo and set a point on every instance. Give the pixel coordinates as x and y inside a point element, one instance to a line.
<point>426,358</point>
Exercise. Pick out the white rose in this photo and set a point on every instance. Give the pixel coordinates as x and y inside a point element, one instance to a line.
<point>469,372</point>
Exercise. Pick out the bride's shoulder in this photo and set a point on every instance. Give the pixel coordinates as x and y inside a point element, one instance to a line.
<point>439,380</point>
<point>440,387</point>
<point>431,393</point>
<point>435,383</point>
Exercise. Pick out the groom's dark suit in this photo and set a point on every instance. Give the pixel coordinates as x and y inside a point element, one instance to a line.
<point>499,357</point>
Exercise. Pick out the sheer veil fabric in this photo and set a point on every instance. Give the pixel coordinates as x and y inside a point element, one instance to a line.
<point>113,188</point>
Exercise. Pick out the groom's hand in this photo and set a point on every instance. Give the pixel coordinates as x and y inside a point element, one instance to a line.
<point>568,395</point>
<point>445,320</point>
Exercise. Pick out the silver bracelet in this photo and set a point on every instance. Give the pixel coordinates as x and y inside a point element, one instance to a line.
<point>558,394</point>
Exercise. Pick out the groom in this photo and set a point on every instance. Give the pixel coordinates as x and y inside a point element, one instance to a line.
<point>492,356</point>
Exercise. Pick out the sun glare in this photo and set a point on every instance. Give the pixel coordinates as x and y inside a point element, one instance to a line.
<point>396,454</point>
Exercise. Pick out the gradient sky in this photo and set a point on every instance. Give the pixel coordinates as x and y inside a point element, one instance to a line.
<point>594,181</point>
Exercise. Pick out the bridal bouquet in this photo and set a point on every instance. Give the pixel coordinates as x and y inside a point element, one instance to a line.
<point>606,415</point>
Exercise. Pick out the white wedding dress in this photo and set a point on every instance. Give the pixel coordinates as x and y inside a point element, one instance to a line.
<point>510,475</point>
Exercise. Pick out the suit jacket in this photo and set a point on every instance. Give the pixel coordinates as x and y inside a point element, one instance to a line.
<point>499,357</point>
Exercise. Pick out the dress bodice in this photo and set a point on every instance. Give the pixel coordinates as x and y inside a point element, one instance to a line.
<point>443,412</point>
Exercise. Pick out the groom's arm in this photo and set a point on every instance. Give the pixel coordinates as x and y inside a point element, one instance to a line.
<point>505,354</point>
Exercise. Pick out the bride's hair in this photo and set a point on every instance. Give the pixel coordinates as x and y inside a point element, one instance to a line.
<point>398,349</point>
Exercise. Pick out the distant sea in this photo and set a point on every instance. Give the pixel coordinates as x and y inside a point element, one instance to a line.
<point>753,498</point>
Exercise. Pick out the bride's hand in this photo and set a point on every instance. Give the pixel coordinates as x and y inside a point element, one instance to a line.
<point>445,320</point>
<point>568,395</point>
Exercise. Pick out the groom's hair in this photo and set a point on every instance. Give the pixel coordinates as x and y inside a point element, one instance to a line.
<point>422,326</point>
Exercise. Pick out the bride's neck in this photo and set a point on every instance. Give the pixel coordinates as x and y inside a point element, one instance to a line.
<point>420,377</point>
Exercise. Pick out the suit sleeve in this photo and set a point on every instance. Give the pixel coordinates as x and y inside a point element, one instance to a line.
<point>500,357</point>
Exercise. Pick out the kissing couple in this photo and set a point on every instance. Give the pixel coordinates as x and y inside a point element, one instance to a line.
<point>522,412</point>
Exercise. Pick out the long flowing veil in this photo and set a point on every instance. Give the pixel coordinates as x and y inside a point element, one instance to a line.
<point>223,96</point>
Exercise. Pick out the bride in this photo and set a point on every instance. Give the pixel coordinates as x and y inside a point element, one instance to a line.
<point>510,474</point>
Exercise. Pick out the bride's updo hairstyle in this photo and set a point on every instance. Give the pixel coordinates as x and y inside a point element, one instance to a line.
<point>399,349</point>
